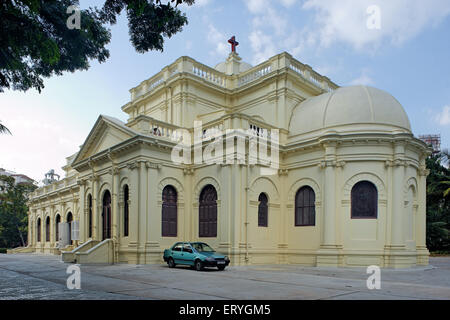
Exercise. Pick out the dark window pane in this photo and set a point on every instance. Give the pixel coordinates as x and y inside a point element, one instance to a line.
<point>169,212</point>
<point>263,210</point>
<point>208,212</point>
<point>364,200</point>
<point>305,211</point>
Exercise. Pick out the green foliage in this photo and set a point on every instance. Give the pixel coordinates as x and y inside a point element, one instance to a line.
<point>35,41</point>
<point>3,250</point>
<point>148,21</point>
<point>438,204</point>
<point>13,213</point>
<point>4,129</point>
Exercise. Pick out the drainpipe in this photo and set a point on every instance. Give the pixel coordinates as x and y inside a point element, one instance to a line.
<point>246,213</point>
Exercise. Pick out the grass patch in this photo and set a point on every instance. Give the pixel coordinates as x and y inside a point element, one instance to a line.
<point>3,250</point>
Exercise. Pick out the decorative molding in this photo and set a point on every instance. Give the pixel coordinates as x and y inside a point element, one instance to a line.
<point>132,165</point>
<point>331,163</point>
<point>283,172</point>
<point>423,171</point>
<point>152,165</point>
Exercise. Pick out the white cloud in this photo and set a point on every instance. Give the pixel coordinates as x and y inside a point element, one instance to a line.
<point>443,117</point>
<point>288,3</point>
<point>202,3</point>
<point>364,80</point>
<point>346,20</point>
<point>41,136</point>
<point>262,46</point>
<point>219,40</point>
<point>257,6</point>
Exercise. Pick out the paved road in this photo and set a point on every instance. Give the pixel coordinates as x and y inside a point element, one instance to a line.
<point>35,276</point>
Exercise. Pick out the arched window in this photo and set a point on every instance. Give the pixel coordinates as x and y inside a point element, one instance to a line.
<point>38,226</point>
<point>364,200</point>
<point>106,215</point>
<point>47,229</point>
<point>126,211</point>
<point>169,212</point>
<point>90,215</point>
<point>69,221</point>
<point>207,221</point>
<point>263,209</point>
<point>305,208</point>
<point>57,221</point>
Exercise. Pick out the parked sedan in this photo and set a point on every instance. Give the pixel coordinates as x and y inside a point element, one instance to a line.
<point>195,254</point>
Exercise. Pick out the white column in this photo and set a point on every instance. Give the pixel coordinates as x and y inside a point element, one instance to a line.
<point>398,176</point>
<point>84,221</point>
<point>133,230</point>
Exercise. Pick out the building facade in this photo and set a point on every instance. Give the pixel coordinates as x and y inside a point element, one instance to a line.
<point>268,164</point>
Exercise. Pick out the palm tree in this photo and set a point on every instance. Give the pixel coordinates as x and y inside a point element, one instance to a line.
<point>4,129</point>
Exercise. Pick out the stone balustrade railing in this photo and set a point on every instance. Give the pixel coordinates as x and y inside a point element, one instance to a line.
<point>55,186</point>
<point>211,75</point>
<point>252,74</point>
<point>307,73</point>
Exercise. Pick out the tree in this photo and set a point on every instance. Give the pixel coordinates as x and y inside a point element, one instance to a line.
<point>438,205</point>
<point>36,41</point>
<point>4,129</point>
<point>13,212</point>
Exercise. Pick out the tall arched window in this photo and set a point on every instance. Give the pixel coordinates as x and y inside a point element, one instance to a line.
<point>57,221</point>
<point>90,215</point>
<point>106,215</point>
<point>263,209</point>
<point>38,226</point>
<point>169,212</point>
<point>207,221</point>
<point>364,200</point>
<point>305,208</point>
<point>69,221</point>
<point>47,229</point>
<point>126,211</point>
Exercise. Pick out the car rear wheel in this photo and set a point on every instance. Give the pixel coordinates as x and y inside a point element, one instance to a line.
<point>221,268</point>
<point>171,263</point>
<point>198,265</point>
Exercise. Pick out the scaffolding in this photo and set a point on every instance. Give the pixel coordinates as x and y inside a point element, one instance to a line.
<point>434,140</point>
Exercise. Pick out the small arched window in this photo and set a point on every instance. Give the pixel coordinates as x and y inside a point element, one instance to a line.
<point>126,211</point>
<point>305,208</point>
<point>38,226</point>
<point>169,212</point>
<point>364,201</point>
<point>69,221</point>
<point>263,209</point>
<point>57,221</point>
<point>90,215</point>
<point>207,219</point>
<point>47,229</point>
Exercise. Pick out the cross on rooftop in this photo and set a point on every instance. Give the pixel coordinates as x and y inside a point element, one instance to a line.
<point>233,43</point>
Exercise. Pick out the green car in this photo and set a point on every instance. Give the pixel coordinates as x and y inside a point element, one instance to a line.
<point>195,254</point>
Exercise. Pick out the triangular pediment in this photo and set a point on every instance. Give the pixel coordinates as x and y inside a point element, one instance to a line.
<point>106,133</point>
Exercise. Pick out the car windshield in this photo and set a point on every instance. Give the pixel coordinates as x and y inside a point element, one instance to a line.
<point>202,247</point>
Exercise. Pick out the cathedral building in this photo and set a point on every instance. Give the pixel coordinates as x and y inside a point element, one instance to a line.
<point>268,164</point>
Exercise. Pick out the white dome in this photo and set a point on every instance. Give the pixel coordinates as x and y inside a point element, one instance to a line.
<point>349,109</point>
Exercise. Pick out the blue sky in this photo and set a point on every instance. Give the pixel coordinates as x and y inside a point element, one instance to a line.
<point>409,56</point>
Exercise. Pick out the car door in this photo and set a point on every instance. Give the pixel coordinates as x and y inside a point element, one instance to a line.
<point>177,253</point>
<point>188,254</point>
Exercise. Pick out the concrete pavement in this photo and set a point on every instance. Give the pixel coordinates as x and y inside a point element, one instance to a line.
<point>36,276</point>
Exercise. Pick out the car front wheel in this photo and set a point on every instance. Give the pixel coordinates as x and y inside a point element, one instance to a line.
<point>171,263</point>
<point>198,265</point>
<point>221,268</point>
